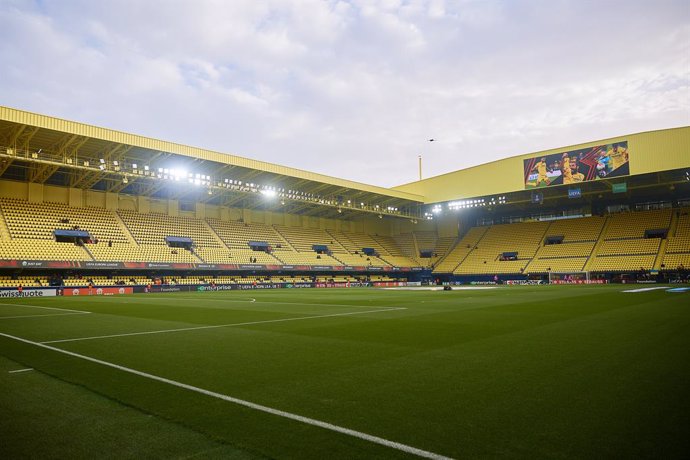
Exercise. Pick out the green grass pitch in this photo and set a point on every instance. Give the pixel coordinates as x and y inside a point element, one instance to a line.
<point>518,372</point>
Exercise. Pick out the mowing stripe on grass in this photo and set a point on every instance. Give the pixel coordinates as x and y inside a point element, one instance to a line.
<point>43,316</point>
<point>215,326</point>
<point>242,402</point>
<point>45,308</point>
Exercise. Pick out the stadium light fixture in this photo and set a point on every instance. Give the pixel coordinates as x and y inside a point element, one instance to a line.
<point>268,193</point>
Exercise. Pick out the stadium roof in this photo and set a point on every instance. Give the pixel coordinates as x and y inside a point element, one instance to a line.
<point>42,149</point>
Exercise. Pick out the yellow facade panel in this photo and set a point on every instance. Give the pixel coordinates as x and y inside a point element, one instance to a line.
<point>649,152</point>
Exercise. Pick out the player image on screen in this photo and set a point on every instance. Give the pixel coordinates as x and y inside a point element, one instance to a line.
<point>618,155</point>
<point>567,172</point>
<point>540,167</point>
<point>577,166</point>
<point>575,169</point>
<point>603,164</point>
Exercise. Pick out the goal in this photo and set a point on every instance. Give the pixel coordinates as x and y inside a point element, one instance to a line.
<point>569,278</point>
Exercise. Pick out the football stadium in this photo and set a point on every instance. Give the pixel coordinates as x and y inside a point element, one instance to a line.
<point>163,300</point>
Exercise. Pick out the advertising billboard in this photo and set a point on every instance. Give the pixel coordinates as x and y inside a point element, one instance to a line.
<point>593,163</point>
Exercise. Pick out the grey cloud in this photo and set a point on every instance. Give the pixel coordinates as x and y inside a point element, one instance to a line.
<point>353,89</point>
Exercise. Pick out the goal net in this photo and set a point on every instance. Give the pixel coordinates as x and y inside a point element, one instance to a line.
<point>569,278</point>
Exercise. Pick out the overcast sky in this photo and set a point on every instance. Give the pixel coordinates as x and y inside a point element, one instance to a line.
<point>354,89</point>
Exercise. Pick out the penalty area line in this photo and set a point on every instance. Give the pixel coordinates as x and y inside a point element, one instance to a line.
<point>43,316</point>
<point>241,402</point>
<point>216,326</point>
<point>45,308</point>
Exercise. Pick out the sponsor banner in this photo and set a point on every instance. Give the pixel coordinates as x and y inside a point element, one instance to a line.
<point>576,166</point>
<point>522,282</point>
<point>111,265</point>
<point>102,265</point>
<point>619,188</point>
<point>339,285</point>
<point>158,265</point>
<point>251,267</point>
<point>299,285</point>
<point>119,290</point>
<point>390,283</point>
<point>578,282</point>
<point>217,287</point>
<point>259,286</point>
<point>14,293</point>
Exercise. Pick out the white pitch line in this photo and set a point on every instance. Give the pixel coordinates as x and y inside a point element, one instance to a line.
<point>265,301</point>
<point>43,316</point>
<point>21,370</point>
<point>216,326</point>
<point>269,410</point>
<point>45,308</point>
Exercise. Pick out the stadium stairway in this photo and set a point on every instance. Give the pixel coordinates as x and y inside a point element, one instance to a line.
<point>672,229</point>
<point>125,229</point>
<point>597,246</point>
<point>86,249</point>
<point>660,255</point>
<point>445,253</point>
<point>215,235</point>
<point>472,237</point>
<point>416,244</point>
<point>4,231</point>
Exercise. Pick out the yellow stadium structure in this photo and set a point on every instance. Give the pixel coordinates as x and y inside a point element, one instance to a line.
<point>78,200</point>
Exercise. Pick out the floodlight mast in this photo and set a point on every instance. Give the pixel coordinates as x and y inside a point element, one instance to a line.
<point>420,160</point>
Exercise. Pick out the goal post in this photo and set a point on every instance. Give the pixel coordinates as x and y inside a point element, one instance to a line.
<point>574,277</point>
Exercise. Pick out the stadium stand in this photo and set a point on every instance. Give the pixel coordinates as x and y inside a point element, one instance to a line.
<point>458,253</point>
<point>42,250</point>
<point>407,245</point>
<point>677,254</point>
<point>38,220</point>
<point>237,234</point>
<point>521,238</point>
<point>152,228</point>
<point>623,246</point>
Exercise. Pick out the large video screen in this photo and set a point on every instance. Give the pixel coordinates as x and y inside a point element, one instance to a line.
<point>592,163</point>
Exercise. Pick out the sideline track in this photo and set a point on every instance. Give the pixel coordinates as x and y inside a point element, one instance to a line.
<point>269,410</point>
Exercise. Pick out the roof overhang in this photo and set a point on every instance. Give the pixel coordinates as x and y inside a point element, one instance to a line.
<point>42,149</point>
